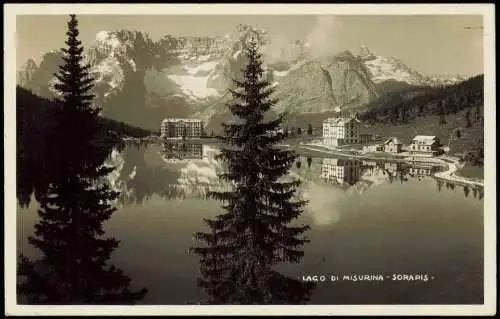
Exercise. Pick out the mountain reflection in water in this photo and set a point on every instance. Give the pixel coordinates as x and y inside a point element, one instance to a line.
<point>367,217</point>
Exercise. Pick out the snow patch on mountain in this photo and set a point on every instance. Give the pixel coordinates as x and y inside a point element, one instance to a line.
<point>389,68</point>
<point>106,38</point>
<point>382,70</point>
<point>110,72</point>
<point>194,78</point>
<point>195,87</point>
<point>204,67</point>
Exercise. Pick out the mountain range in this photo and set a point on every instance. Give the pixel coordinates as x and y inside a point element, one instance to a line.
<point>140,81</point>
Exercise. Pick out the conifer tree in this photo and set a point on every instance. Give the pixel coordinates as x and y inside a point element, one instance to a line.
<point>468,122</point>
<point>254,233</point>
<point>478,111</point>
<point>74,265</point>
<point>442,113</point>
<point>309,129</point>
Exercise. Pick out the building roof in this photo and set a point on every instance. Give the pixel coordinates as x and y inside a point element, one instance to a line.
<point>424,138</point>
<point>340,120</point>
<point>181,119</point>
<point>395,140</point>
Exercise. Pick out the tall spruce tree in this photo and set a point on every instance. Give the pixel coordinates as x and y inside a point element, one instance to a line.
<point>442,113</point>
<point>254,233</point>
<point>468,122</point>
<point>309,129</point>
<point>74,265</point>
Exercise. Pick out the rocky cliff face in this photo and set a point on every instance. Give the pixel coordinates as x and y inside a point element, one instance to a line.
<point>40,79</point>
<point>140,81</point>
<point>25,75</point>
<point>328,84</point>
<point>392,69</point>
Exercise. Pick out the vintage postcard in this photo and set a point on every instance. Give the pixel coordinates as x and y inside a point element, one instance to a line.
<point>249,159</point>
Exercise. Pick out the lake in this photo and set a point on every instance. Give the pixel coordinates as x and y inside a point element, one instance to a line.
<point>383,220</point>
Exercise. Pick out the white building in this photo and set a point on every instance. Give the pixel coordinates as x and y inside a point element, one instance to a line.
<point>341,130</point>
<point>373,148</point>
<point>423,145</point>
<point>181,127</point>
<point>393,146</point>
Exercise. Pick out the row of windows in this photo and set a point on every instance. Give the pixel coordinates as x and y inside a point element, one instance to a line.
<point>421,148</point>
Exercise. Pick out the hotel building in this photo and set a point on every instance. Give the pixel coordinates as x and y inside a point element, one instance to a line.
<point>340,130</point>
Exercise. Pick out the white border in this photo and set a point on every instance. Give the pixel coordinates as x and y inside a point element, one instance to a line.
<point>486,10</point>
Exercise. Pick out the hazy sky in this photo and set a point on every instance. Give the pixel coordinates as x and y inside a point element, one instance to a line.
<point>438,44</point>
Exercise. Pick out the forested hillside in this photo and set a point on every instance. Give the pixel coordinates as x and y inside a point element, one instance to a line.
<point>405,106</point>
<point>453,113</point>
<point>32,120</point>
<point>32,115</point>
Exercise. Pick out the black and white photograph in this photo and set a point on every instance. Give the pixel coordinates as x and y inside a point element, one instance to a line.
<point>203,156</point>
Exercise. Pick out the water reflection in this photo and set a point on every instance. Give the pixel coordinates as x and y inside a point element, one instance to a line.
<point>74,264</point>
<point>177,169</point>
<point>359,225</point>
<point>178,150</point>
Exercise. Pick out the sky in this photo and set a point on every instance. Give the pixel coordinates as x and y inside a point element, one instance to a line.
<point>430,44</point>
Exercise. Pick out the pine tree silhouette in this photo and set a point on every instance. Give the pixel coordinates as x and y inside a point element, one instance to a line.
<point>442,113</point>
<point>309,129</point>
<point>74,266</point>
<point>468,122</point>
<point>253,235</point>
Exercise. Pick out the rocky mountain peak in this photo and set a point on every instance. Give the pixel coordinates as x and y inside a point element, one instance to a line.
<point>365,53</point>
<point>25,73</point>
<point>29,65</point>
<point>189,75</point>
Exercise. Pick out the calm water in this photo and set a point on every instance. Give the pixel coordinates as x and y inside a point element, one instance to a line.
<point>365,217</point>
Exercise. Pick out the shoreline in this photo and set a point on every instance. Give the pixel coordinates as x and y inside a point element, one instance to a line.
<point>448,175</point>
<point>452,164</point>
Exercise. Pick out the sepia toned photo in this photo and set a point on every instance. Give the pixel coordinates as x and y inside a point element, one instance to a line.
<point>200,158</point>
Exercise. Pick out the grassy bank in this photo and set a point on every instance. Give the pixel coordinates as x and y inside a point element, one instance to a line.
<point>472,172</point>
<point>454,132</point>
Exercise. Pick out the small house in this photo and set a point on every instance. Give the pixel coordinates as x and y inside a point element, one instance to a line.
<point>423,145</point>
<point>393,146</point>
<point>373,148</point>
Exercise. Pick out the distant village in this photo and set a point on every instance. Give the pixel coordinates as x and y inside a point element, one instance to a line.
<point>343,131</point>
<point>337,132</point>
<point>183,140</point>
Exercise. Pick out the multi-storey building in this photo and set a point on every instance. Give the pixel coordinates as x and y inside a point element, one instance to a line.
<point>181,128</point>
<point>340,130</point>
